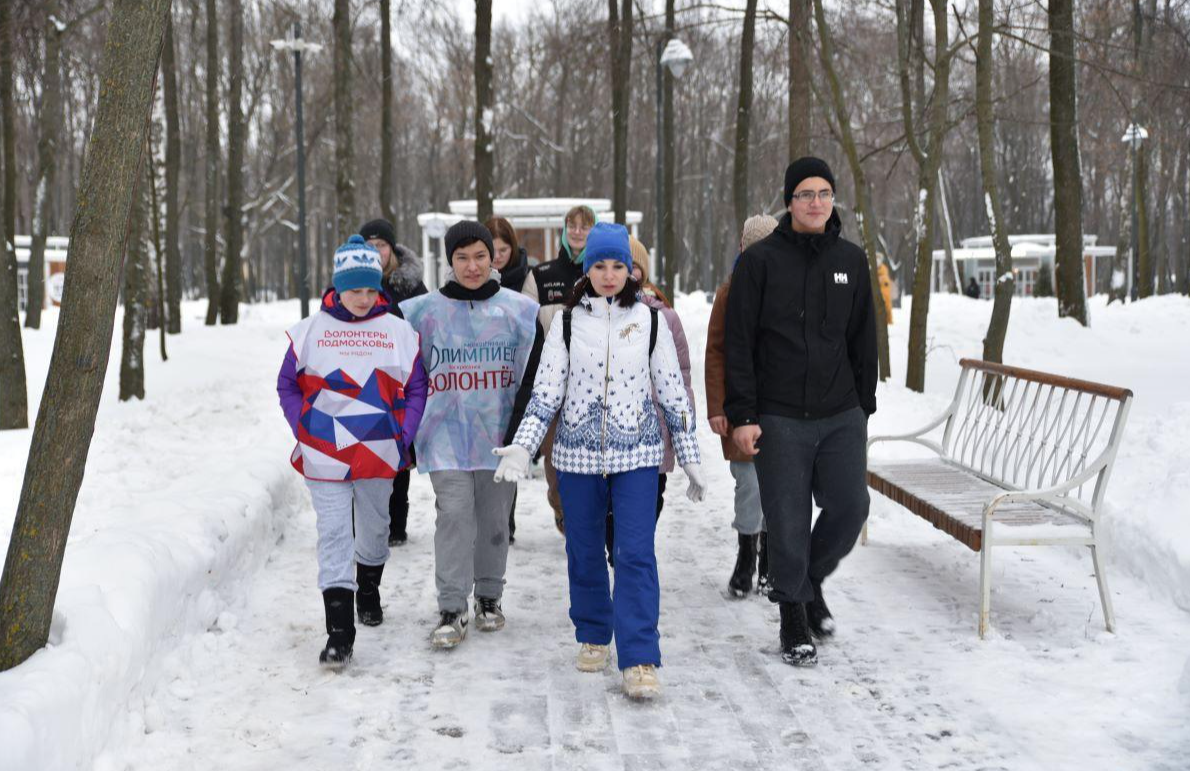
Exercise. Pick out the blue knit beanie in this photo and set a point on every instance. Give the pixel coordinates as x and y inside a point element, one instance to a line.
<point>607,242</point>
<point>357,266</point>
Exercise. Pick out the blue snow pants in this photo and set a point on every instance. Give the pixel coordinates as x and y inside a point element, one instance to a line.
<point>631,612</point>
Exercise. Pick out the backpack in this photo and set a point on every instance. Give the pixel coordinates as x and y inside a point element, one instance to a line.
<point>652,329</point>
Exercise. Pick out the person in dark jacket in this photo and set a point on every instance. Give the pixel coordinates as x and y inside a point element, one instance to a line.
<point>512,263</point>
<point>972,289</point>
<point>801,382</point>
<point>402,280</point>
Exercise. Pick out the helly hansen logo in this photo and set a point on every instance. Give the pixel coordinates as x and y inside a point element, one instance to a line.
<point>840,278</point>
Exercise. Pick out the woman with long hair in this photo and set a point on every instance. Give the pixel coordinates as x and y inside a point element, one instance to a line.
<point>601,365</point>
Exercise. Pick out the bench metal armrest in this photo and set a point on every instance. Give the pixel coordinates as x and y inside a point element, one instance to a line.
<point>918,436</point>
<point>1053,494</point>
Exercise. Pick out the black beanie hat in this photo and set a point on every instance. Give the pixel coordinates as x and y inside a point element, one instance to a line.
<point>464,230</point>
<point>382,229</point>
<point>804,168</point>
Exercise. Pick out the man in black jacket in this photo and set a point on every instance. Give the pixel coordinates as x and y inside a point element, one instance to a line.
<point>801,373</point>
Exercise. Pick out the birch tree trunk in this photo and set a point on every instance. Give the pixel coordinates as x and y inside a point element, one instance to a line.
<point>1068,179</point>
<point>66,420</point>
<point>136,290</point>
<point>484,114</point>
<point>1004,286</point>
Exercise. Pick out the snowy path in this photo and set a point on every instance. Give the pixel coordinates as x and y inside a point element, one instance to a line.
<point>906,684</point>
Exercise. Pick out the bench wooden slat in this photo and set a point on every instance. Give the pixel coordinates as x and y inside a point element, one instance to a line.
<point>952,499</point>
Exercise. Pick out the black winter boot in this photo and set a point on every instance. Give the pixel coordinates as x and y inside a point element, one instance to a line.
<point>762,564</point>
<point>367,599</point>
<point>340,629</point>
<point>822,624</point>
<point>740,583</point>
<point>797,648</point>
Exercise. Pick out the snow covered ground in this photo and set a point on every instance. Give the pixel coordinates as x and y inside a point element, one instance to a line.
<point>188,623</point>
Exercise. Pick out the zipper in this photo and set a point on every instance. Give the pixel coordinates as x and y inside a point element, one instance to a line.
<point>607,377</point>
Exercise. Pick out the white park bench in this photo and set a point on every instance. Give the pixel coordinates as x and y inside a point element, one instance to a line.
<point>1024,460</point>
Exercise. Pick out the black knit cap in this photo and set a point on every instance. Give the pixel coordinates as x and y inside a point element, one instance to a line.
<point>464,230</point>
<point>382,229</point>
<point>804,168</point>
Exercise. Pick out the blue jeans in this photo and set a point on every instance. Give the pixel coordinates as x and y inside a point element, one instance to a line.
<point>630,615</point>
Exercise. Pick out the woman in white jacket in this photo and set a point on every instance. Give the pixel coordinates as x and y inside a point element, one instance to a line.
<point>600,369</point>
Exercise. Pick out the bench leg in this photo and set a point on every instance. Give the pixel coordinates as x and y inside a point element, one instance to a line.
<point>863,535</point>
<point>985,584</point>
<point>1109,617</point>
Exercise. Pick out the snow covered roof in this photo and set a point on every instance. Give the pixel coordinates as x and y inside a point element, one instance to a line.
<point>527,212</point>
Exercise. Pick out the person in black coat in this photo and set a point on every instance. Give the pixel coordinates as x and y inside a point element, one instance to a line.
<point>801,372</point>
<point>402,280</point>
<point>972,289</point>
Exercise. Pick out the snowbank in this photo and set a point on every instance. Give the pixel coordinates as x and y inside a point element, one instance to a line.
<point>185,496</point>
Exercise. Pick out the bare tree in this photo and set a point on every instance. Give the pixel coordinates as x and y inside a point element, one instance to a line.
<point>211,220</point>
<point>1068,178</point>
<point>14,399</point>
<point>743,119</point>
<point>229,301</point>
<point>668,225</point>
<point>620,49</point>
<point>48,123</point>
<point>799,79</point>
<point>386,106</point>
<point>172,301</point>
<point>1005,284</point>
<point>344,115</point>
<point>863,205</point>
<point>929,159</point>
<point>484,114</point>
<point>8,117</point>
<point>136,290</point>
<point>66,420</point>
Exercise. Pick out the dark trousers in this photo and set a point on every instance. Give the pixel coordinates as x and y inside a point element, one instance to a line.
<point>630,613</point>
<point>806,461</point>
<point>398,505</point>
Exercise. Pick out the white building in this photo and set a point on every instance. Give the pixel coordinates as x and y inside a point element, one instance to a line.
<point>538,223</point>
<point>975,257</point>
<point>54,268</point>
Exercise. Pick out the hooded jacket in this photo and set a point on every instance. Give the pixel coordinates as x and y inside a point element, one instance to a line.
<point>603,389</point>
<point>682,348</point>
<point>800,338</point>
<point>551,283</point>
<point>353,391</point>
<point>405,280</point>
<point>480,348</point>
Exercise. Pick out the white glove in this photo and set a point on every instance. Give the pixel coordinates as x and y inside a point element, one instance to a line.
<point>697,489</point>
<point>514,463</point>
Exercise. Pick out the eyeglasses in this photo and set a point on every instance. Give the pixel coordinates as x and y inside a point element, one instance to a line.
<point>577,227</point>
<point>807,196</point>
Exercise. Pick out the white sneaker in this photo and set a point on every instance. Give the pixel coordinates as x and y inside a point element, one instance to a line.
<point>592,658</point>
<point>488,615</point>
<point>452,628</point>
<point>641,682</point>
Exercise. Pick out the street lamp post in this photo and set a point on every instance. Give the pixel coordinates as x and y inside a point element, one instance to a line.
<point>675,55</point>
<point>297,44</point>
<point>1134,136</point>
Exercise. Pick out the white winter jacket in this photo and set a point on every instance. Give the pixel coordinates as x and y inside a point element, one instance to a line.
<point>604,388</point>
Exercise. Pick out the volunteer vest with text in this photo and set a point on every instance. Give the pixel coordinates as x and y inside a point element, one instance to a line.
<point>475,354</point>
<point>352,375</point>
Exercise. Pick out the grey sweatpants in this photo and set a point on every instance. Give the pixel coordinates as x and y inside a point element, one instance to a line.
<point>338,549</point>
<point>805,461</point>
<point>749,517</point>
<point>470,536</point>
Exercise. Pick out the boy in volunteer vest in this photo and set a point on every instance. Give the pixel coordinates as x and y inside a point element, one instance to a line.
<point>481,343</point>
<point>353,389</point>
